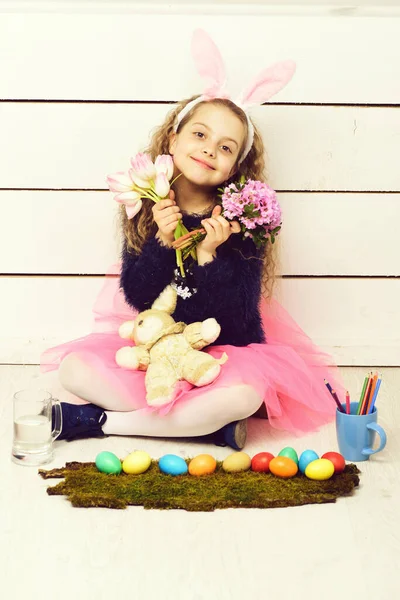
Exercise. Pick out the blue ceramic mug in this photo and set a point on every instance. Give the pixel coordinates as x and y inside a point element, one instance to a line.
<point>356,433</point>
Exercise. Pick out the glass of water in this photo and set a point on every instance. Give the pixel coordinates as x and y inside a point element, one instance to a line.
<point>34,431</point>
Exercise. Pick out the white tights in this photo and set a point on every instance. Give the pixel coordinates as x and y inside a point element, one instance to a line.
<point>199,416</point>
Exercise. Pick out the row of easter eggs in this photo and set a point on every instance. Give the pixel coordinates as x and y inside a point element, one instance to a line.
<point>288,463</point>
<point>285,465</point>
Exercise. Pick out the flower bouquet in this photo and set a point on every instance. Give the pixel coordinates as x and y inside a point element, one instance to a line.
<point>147,180</point>
<point>253,204</point>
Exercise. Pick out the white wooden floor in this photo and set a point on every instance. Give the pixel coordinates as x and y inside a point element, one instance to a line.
<point>347,550</point>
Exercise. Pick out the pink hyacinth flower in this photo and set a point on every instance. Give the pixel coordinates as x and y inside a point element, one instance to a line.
<point>162,185</point>
<point>165,164</point>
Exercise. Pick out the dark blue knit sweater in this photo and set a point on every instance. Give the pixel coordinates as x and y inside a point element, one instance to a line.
<point>228,288</point>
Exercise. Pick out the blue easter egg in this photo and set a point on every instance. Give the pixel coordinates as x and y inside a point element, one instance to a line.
<point>108,462</point>
<point>170,464</point>
<point>305,458</point>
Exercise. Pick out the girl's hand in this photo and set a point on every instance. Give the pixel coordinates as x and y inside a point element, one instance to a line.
<point>218,230</point>
<point>166,214</point>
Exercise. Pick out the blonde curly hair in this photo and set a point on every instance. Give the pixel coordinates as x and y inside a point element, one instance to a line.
<point>138,230</point>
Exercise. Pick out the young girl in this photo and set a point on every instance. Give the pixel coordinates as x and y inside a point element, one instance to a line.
<point>270,360</point>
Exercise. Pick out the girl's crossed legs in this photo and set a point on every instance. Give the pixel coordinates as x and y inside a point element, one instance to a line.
<point>201,415</point>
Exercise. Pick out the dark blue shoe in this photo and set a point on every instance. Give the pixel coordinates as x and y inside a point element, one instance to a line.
<point>234,435</point>
<point>81,421</point>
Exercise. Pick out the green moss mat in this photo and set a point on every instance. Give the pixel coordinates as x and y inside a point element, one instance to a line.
<point>85,486</point>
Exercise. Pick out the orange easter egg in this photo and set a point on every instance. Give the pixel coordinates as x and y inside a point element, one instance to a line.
<point>203,464</point>
<point>282,466</point>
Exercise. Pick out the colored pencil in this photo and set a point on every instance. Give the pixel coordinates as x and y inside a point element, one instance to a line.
<point>366,396</point>
<point>347,403</point>
<point>334,396</point>
<point>361,405</point>
<point>371,394</point>
<point>378,385</point>
<point>336,399</point>
<point>362,395</point>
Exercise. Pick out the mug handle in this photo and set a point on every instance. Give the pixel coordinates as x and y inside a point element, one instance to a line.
<point>58,419</point>
<point>382,435</point>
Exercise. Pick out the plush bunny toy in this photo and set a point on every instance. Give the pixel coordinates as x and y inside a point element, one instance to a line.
<point>169,351</point>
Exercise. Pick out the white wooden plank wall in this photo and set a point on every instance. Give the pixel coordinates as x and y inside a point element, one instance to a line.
<point>80,94</point>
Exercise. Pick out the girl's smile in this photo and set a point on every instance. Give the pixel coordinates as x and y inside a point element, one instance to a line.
<point>203,164</point>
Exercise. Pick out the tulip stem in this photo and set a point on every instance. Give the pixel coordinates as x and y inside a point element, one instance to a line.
<point>152,195</point>
<point>180,228</point>
<point>179,231</point>
<point>180,262</point>
<point>173,181</point>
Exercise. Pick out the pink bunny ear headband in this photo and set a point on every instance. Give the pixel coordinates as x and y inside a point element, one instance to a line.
<point>210,66</point>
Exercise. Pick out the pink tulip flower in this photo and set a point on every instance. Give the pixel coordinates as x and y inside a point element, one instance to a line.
<point>145,184</point>
<point>132,201</point>
<point>143,167</point>
<point>161,185</point>
<point>165,164</point>
<point>146,180</point>
<point>119,182</point>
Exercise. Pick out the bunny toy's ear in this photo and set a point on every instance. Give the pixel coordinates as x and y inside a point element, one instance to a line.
<point>166,301</point>
<point>209,64</point>
<point>267,83</point>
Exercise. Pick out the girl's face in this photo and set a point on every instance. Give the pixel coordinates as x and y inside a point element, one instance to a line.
<point>206,149</point>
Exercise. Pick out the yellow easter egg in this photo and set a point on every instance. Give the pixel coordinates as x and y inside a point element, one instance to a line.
<point>236,462</point>
<point>136,462</point>
<point>320,469</point>
<point>203,464</point>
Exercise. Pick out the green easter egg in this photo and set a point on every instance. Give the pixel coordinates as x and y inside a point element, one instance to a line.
<point>109,463</point>
<point>290,453</point>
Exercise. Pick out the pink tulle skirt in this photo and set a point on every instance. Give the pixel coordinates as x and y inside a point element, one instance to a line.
<point>288,371</point>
